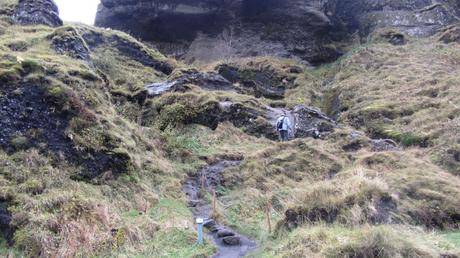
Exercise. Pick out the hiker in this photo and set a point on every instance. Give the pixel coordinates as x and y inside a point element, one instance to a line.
<point>283,125</point>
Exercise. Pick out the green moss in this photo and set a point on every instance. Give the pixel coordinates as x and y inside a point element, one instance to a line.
<point>411,139</point>
<point>7,251</point>
<point>453,237</point>
<point>405,138</point>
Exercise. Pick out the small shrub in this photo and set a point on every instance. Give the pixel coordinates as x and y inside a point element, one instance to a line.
<point>27,240</point>
<point>33,186</point>
<point>30,66</point>
<point>10,75</point>
<point>18,46</point>
<point>19,142</point>
<point>84,74</point>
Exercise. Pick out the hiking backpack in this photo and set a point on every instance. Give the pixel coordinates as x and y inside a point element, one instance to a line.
<point>280,124</point>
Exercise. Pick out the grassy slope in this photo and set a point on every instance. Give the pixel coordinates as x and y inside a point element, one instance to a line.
<point>56,215</point>
<point>409,93</point>
<point>146,205</point>
<point>371,81</point>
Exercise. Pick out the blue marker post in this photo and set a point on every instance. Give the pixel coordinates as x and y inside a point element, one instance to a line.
<point>200,222</point>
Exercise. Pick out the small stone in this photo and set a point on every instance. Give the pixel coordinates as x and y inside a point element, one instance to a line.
<point>225,233</point>
<point>232,240</point>
<point>211,225</point>
<point>193,203</point>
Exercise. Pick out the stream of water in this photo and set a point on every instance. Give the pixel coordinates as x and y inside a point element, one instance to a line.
<point>230,244</point>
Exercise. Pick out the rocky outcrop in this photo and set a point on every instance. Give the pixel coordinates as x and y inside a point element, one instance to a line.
<point>177,82</point>
<point>67,41</point>
<point>383,145</point>
<point>311,122</point>
<point>210,29</point>
<point>413,17</point>
<point>31,12</point>
<point>260,83</point>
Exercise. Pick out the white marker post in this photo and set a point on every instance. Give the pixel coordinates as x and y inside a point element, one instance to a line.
<point>200,222</point>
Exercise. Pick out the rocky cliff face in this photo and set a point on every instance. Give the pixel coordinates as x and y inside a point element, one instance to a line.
<point>414,17</point>
<point>29,12</point>
<point>211,30</point>
<point>216,29</point>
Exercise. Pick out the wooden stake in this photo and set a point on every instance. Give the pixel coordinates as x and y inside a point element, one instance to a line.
<point>214,209</point>
<point>203,182</point>
<point>268,208</point>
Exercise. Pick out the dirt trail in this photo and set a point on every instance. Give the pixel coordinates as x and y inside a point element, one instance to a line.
<point>230,244</point>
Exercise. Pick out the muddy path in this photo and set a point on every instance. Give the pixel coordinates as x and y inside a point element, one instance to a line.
<point>229,243</point>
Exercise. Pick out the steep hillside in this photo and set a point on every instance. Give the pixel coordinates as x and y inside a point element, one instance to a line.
<point>100,136</point>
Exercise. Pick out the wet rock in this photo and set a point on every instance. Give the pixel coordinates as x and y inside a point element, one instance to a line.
<point>225,233</point>
<point>231,240</point>
<point>311,122</point>
<point>67,41</point>
<point>193,203</point>
<point>383,145</point>
<point>32,12</point>
<point>211,225</point>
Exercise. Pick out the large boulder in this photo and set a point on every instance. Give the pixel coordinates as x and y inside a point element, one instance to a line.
<point>32,12</point>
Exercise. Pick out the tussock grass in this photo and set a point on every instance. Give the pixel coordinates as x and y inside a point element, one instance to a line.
<point>406,93</point>
<point>337,241</point>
